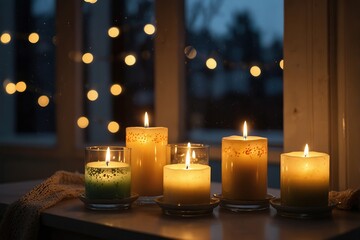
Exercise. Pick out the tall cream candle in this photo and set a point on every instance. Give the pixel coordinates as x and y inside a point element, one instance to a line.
<point>304,179</point>
<point>148,158</point>
<point>244,167</point>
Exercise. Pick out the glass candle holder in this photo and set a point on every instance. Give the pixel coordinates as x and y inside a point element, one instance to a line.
<point>187,178</point>
<point>107,172</point>
<point>199,153</point>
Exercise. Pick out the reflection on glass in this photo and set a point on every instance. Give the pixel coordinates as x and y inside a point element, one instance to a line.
<point>149,29</point>
<point>87,58</point>
<point>83,122</point>
<point>27,61</point>
<point>5,38</point>
<point>43,101</point>
<point>21,86</point>
<point>242,79</point>
<point>119,35</point>
<point>114,32</point>
<point>33,38</point>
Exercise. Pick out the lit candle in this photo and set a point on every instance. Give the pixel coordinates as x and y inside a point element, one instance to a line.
<point>244,167</point>
<point>304,178</point>
<point>148,157</point>
<point>107,179</point>
<point>187,183</point>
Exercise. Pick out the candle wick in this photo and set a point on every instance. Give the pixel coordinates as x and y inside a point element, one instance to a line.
<point>187,167</point>
<point>245,137</point>
<point>107,163</point>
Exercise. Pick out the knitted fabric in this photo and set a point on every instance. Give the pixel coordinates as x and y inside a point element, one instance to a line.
<point>347,200</point>
<point>22,218</point>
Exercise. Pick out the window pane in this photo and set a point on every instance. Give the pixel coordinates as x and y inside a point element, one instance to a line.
<point>27,63</point>
<point>119,75</point>
<point>233,57</point>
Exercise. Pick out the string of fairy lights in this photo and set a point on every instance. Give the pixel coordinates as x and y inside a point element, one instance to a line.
<point>115,89</point>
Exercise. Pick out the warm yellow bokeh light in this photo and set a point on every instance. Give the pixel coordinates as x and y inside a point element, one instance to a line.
<point>43,101</point>
<point>92,95</point>
<point>10,88</point>
<point>113,32</point>
<point>130,60</point>
<point>87,58</point>
<point>211,63</point>
<point>83,122</point>
<point>190,52</point>
<point>90,1</point>
<point>21,86</point>
<point>281,64</point>
<point>113,127</point>
<point>5,38</point>
<point>149,29</point>
<point>34,37</point>
<point>255,71</point>
<point>116,89</point>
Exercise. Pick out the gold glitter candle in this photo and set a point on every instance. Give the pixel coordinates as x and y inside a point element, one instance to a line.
<point>148,158</point>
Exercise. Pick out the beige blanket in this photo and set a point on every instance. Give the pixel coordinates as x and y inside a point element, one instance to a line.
<point>21,219</point>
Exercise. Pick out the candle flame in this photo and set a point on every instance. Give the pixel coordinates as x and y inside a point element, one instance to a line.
<point>193,155</point>
<point>306,151</point>
<point>146,120</point>
<point>245,130</point>
<point>107,158</point>
<point>187,159</point>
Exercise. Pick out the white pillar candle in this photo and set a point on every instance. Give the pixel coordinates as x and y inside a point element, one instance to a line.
<point>187,183</point>
<point>304,179</point>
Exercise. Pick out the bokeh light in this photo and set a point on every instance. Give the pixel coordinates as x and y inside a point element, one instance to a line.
<point>190,52</point>
<point>130,60</point>
<point>90,1</point>
<point>281,63</point>
<point>113,127</point>
<point>255,71</point>
<point>10,88</point>
<point>149,29</point>
<point>21,86</point>
<point>43,101</point>
<point>211,63</point>
<point>92,95</point>
<point>33,37</point>
<point>87,58</point>
<point>83,122</point>
<point>5,38</point>
<point>116,89</point>
<point>114,32</point>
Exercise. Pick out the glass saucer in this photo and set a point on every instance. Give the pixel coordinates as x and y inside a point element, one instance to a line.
<point>244,205</point>
<point>302,212</point>
<point>187,210</point>
<point>109,204</point>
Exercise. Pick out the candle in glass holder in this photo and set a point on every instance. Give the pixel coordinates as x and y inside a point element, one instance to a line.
<point>304,178</point>
<point>186,183</point>
<point>148,158</point>
<point>107,176</point>
<point>244,167</point>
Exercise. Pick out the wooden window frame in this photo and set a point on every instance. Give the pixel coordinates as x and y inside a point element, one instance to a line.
<point>319,83</point>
